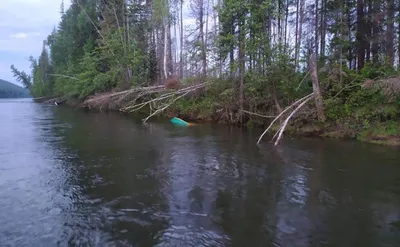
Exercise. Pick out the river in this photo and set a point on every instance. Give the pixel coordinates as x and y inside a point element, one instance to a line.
<point>73,178</point>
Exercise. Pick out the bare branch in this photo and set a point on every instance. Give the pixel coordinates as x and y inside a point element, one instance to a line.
<point>287,108</point>
<point>256,114</point>
<point>282,129</point>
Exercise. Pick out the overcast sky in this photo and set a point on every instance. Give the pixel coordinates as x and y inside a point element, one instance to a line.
<point>24,24</point>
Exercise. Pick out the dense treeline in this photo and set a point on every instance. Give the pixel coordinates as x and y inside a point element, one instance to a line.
<point>9,90</point>
<point>257,51</point>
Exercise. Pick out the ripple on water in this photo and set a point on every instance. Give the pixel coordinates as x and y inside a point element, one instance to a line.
<point>68,178</point>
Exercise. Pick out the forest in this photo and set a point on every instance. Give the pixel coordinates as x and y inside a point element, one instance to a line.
<point>10,90</point>
<point>253,59</point>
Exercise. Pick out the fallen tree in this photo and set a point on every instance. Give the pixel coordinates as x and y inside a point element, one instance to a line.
<point>301,102</point>
<point>158,98</point>
<point>317,95</point>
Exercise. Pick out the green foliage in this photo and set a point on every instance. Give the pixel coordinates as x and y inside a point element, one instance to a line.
<point>379,130</point>
<point>22,77</point>
<point>371,71</point>
<point>102,46</point>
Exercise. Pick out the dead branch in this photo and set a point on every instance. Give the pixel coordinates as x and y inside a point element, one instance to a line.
<point>165,107</point>
<point>158,98</point>
<point>65,76</point>
<point>256,114</point>
<point>282,129</point>
<point>283,112</point>
<point>298,87</point>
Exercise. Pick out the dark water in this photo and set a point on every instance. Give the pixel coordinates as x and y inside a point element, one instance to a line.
<point>70,178</point>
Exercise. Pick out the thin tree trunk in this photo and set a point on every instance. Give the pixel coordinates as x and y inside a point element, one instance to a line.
<point>319,103</point>
<point>323,28</point>
<point>241,69</point>
<point>279,31</point>
<point>175,49</point>
<point>170,64</point>
<point>203,46</point>
<point>368,33</point>
<point>286,24</point>
<point>160,55</point>
<point>302,4</point>
<point>165,49</point>
<point>390,33</point>
<point>275,98</point>
<point>360,35</point>
<point>205,37</point>
<point>181,44</point>
<point>316,28</point>
<point>375,33</point>
<point>398,36</point>
<point>296,50</point>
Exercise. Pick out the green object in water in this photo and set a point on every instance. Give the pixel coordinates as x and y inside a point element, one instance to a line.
<point>179,121</point>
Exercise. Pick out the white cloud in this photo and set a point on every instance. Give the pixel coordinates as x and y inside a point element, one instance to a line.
<point>19,35</point>
<point>24,24</point>
<point>24,35</point>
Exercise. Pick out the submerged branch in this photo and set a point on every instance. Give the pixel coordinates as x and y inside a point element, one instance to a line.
<point>282,129</point>
<point>283,112</point>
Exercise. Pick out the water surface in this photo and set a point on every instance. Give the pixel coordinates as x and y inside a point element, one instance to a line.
<point>71,178</point>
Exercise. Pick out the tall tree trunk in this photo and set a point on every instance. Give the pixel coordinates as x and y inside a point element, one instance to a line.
<point>203,46</point>
<point>319,103</point>
<point>398,35</point>
<point>160,55</point>
<point>241,68</point>
<point>206,38</point>
<point>170,64</point>
<point>375,32</point>
<point>175,49</point>
<point>350,49</point>
<point>360,35</point>
<point>165,53</point>
<point>286,24</point>
<point>232,55</point>
<point>390,33</point>
<point>296,49</point>
<point>302,4</point>
<point>368,32</point>
<point>279,24</point>
<point>316,28</point>
<point>323,28</point>
<point>181,43</point>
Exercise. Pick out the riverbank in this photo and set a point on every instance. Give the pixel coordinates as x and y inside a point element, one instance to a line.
<point>305,124</point>
<point>378,125</point>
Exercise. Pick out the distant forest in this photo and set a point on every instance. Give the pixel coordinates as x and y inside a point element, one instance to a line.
<point>10,90</point>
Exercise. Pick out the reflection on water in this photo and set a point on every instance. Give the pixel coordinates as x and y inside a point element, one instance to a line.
<point>73,178</point>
